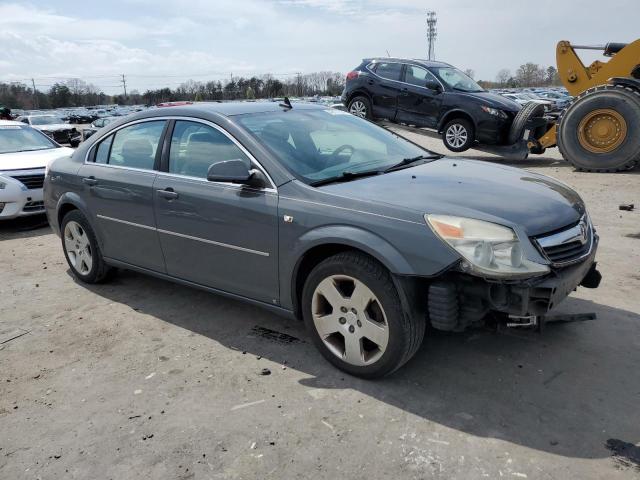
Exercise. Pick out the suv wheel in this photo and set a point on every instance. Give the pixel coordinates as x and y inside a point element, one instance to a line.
<point>81,249</point>
<point>353,311</point>
<point>360,107</point>
<point>458,135</point>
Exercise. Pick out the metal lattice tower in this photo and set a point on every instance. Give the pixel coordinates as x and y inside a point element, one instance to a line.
<point>432,34</point>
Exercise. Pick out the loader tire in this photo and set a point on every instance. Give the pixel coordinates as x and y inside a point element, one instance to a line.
<point>530,110</point>
<point>600,131</point>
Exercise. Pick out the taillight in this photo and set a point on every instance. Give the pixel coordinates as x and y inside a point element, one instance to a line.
<point>353,75</point>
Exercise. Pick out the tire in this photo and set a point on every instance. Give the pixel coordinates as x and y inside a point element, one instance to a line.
<point>360,107</point>
<point>618,151</point>
<point>81,249</point>
<point>529,111</point>
<point>383,336</point>
<point>458,135</point>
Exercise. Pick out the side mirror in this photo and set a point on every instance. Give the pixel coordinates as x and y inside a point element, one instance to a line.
<point>235,171</point>
<point>434,85</point>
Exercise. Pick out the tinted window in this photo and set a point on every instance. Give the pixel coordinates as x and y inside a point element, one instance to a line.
<point>389,70</point>
<point>102,154</point>
<point>195,147</point>
<point>416,75</point>
<point>136,146</point>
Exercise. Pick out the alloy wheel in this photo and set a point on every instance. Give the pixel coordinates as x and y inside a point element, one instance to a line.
<point>358,109</point>
<point>78,247</point>
<point>456,135</point>
<point>350,320</point>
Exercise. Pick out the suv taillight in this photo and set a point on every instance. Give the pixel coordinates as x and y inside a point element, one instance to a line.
<point>353,75</point>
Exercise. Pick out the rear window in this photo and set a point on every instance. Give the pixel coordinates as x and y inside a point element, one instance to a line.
<point>390,71</point>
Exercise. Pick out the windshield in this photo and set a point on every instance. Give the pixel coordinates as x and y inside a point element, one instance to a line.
<point>15,138</point>
<point>45,120</point>
<point>456,79</point>
<point>317,145</point>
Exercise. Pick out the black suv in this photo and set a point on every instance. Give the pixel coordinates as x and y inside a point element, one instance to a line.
<point>429,94</point>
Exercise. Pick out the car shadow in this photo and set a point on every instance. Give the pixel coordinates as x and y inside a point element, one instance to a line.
<point>570,390</point>
<point>24,227</point>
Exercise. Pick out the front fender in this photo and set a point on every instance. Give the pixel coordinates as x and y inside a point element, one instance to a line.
<point>357,238</point>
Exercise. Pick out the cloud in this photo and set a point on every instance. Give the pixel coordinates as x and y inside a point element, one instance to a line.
<point>178,40</point>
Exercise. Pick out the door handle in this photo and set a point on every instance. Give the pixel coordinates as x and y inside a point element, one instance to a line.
<point>168,193</point>
<point>91,181</point>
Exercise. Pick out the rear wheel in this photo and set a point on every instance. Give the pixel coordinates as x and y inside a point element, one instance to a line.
<point>354,314</point>
<point>81,249</point>
<point>600,131</point>
<point>458,135</point>
<point>360,107</point>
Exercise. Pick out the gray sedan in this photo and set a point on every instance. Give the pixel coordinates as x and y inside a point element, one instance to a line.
<point>317,214</point>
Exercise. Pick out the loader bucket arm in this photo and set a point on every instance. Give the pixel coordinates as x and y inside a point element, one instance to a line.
<point>577,78</point>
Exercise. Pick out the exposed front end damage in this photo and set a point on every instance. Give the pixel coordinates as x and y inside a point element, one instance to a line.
<point>458,300</point>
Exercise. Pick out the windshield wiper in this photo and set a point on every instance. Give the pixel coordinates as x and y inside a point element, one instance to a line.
<point>345,176</point>
<point>408,161</point>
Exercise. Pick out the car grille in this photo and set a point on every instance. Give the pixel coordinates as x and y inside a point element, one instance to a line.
<point>33,206</point>
<point>32,182</point>
<point>568,246</point>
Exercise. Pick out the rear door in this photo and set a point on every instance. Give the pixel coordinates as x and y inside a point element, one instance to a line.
<point>418,104</point>
<point>118,187</point>
<point>385,88</point>
<point>220,235</point>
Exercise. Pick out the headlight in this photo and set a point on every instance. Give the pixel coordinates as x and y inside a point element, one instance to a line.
<point>489,249</point>
<point>494,111</point>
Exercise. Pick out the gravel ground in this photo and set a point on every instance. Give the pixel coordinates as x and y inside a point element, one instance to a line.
<point>140,378</point>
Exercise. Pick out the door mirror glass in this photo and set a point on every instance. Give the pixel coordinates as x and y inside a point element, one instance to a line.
<point>231,171</point>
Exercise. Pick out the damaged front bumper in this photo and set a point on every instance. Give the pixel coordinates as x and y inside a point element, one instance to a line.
<point>459,300</point>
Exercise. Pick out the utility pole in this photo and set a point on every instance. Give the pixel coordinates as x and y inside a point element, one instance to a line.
<point>35,94</point>
<point>124,85</point>
<point>299,82</point>
<point>432,34</point>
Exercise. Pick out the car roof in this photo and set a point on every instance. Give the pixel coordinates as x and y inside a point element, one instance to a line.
<point>10,122</point>
<point>424,63</point>
<point>227,109</point>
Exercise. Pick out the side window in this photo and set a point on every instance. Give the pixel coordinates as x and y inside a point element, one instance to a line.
<point>416,75</point>
<point>102,153</point>
<point>195,147</point>
<point>136,146</point>
<point>390,71</point>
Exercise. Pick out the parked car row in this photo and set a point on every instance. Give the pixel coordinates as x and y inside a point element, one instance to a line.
<point>554,99</point>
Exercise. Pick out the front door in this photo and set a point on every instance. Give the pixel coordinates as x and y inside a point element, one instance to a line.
<point>118,181</point>
<point>417,104</point>
<point>220,235</point>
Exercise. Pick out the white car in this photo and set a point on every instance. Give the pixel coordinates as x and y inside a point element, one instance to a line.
<point>52,126</point>
<point>24,155</point>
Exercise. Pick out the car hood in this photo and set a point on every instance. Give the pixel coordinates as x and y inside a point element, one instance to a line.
<point>53,127</point>
<point>28,160</point>
<point>475,189</point>
<point>493,100</point>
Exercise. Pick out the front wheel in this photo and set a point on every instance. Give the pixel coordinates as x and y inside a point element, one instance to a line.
<point>354,314</point>
<point>458,135</point>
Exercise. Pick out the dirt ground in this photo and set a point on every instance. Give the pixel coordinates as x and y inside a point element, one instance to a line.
<point>140,378</point>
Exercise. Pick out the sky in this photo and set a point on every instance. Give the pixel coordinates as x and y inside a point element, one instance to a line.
<point>158,43</point>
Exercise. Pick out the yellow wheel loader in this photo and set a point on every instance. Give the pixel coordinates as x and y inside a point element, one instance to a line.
<point>600,130</point>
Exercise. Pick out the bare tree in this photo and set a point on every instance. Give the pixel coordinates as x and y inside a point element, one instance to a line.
<point>503,76</point>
